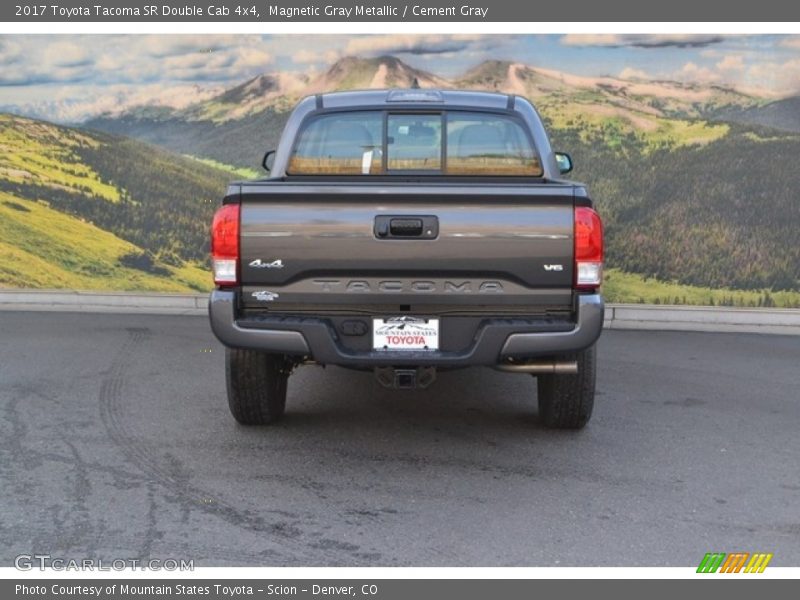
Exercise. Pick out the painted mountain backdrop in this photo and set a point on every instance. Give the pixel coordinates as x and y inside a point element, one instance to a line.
<point>696,181</point>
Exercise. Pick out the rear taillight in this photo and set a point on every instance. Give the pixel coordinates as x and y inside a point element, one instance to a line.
<point>588,248</point>
<point>225,245</point>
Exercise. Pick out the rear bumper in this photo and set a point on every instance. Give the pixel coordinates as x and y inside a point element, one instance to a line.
<point>496,340</point>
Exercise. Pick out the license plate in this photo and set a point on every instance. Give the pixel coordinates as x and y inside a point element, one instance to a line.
<point>405,333</point>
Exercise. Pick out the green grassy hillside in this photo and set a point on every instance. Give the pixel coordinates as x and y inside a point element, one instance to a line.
<point>37,153</point>
<point>240,142</point>
<point>782,114</point>
<point>44,248</point>
<point>84,210</point>
<point>629,288</point>
<point>688,199</point>
<point>721,215</point>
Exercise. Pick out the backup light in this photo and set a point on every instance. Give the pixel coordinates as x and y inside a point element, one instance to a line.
<point>225,245</point>
<point>588,248</point>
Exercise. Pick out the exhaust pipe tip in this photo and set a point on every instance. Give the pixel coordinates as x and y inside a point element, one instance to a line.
<point>541,367</point>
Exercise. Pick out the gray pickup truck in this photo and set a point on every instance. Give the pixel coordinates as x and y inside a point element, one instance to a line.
<point>405,232</point>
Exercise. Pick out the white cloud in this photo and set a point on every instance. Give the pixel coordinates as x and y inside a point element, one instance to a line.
<point>638,40</point>
<point>74,104</point>
<point>132,59</point>
<point>306,56</point>
<point>216,67</point>
<point>781,78</point>
<point>767,78</point>
<point>631,73</point>
<point>67,54</point>
<point>733,62</point>
<point>591,39</point>
<point>693,73</point>
<point>161,46</point>
<point>10,51</point>
<point>418,44</point>
<point>759,74</point>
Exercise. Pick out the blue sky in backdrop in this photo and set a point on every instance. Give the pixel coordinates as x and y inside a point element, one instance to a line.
<point>70,78</point>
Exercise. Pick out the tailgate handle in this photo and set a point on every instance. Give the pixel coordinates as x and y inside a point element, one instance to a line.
<point>391,227</point>
<point>406,227</point>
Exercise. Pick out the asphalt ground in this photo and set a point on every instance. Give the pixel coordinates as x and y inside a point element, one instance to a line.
<point>116,442</point>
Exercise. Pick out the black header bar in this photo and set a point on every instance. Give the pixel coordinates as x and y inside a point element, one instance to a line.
<point>275,11</point>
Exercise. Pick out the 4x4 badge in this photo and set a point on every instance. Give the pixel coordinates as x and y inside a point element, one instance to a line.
<point>260,264</point>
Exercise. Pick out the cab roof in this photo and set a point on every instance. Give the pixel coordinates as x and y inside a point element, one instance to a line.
<point>415,97</point>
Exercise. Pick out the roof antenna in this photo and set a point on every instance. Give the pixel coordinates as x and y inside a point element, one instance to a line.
<point>415,84</point>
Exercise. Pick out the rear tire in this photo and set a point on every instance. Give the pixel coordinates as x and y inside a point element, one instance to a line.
<point>566,401</point>
<point>256,384</point>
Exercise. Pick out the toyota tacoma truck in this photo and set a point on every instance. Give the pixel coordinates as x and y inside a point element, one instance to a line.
<point>407,232</point>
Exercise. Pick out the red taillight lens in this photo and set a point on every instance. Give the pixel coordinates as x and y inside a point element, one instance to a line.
<point>225,245</point>
<point>588,248</point>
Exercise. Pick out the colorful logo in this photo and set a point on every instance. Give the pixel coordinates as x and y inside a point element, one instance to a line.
<point>735,562</point>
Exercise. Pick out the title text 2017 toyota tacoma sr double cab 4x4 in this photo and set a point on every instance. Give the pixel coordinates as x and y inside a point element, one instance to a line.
<point>405,232</point>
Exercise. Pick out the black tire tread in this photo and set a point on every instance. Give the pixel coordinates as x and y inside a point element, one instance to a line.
<point>566,401</point>
<point>256,384</point>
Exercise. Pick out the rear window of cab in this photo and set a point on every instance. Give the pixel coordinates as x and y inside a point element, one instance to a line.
<point>436,143</point>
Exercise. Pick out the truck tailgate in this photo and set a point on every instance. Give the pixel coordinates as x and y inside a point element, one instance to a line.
<point>409,246</point>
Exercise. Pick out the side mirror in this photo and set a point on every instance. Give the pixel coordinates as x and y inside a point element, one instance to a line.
<point>268,160</point>
<point>564,162</point>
